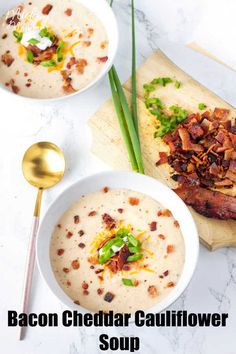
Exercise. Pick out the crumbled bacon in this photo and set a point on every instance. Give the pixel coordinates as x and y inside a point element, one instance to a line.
<point>133,201</point>
<point>108,221</point>
<point>15,89</point>
<point>4,36</point>
<point>102,59</point>
<point>75,264</point>
<point>152,290</point>
<point>120,210</point>
<point>7,59</point>
<point>13,21</point>
<point>153,226</point>
<point>85,285</point>
<point>68,12</point>
<point>109,297</point>
<point>123,254</point>
<point>66,270</point>
<point>60,251</point>
<point>171,284</point>
<point>81,233</point>
<point>163,158</point>
<point>76,219</point>
<point>100,291</point>
<point>170,249</point>
<point>47,9</point>
<point>105,189</point>
<point>69,234</point>
<point>92,213</point>
<point>203,154</point>
<point>80,66</point>
<point>81,245</point>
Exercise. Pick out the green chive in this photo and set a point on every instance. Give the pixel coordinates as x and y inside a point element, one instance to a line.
<point>59,51</point>
<point>127,282</point>
<point>201,106</point>
<point>134,249</point>
<point>45,33</point>
<point>177,84</point>
<point>33,41</point>
<point>122,123</point>
<point>30,56</point>
<point>134,242</point>
<point>18,36</point>
<point>135,257</point>
<point>134,80</point>
<point>48,63</point>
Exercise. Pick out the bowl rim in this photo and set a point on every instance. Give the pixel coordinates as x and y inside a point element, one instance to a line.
<point>97,79</point>
<point>192,231</point>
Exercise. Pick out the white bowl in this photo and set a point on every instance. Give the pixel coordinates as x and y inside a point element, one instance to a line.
<point>104,12</point>
<point>135,182</point>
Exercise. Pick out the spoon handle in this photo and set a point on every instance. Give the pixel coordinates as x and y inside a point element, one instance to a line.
<point>30,260</point>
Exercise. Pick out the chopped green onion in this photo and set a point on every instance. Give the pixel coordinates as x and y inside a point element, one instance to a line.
<point>59,51</point>
<point>134,80</point>
<point>45,33</point>
<point>33,41</point>
<point>201,106</point>
<point>127,282</point>
<point>135,257</point>
<point>177,84</point>
<point>163,81</point>
<point>30,56</point>
<point>134,249</point>
<point>18,36</point>
<point>134,242</point>
<point>48,63</point>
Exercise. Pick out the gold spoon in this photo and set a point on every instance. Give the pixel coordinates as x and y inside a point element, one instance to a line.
<point>43,166</point>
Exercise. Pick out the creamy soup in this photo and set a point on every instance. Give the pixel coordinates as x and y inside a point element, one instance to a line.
<point>51,48</point>
<point>117,250</point>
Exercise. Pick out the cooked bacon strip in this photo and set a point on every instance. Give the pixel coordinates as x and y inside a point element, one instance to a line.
<point>207,202</point>
<point>163,158</point>
<point>186,141</point>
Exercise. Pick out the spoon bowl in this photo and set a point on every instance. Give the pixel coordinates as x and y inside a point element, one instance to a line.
<point>43,165</point>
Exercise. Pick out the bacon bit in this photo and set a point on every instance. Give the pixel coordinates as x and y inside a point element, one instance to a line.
<point>81,233</point>
<point>66,270</point>
<point>85,285</point>
<point>7,59</point>
<point>120,210</point>
<point>171,284</point>
<point>98,271</point>
<point>166,212</point>
<point>75,264</point>
<point>86,43</point>
<point>26,74</point>
<point>159,213</point>
<point>163,158</point>
<point>152,290</point>
<point>123,254</point>
<point>81,245</point>
<point>170,249</point>
<point>162,237</point>
<point>81,36</point>
<point>186,141</point>
<point>69,234</point>
<point>92,267</point>
<point>76,219</point>
<point>60,251</point>
<point>90,31</point>
<point>108,221</point>
<point>11,83</point>
<point>47,9</point>
<point>166,273</point>
<point>109,297</point>
<point>100,291</point>
<point>68,283</point>
<point>126,267</point>
<point>100,278</point>
<point>86,292</point>
<point>92,213</point>
<point>133,201</point>
<point>105,189</point>
<point>13,21</point>
<point>68,12</point>
<point>176,224</point>
<point>102,59</point>
<point>4,36</point>
<point>77,302</point>
<point>28,84</point>
<point>71,62</point>
<point>59,226</point>
<point>80,66</point>
<point>153,226</point>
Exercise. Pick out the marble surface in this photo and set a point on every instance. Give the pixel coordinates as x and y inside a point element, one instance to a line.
<point>213,287</point>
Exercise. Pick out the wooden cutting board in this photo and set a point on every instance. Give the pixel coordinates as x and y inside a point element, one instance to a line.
<point>108,144</point>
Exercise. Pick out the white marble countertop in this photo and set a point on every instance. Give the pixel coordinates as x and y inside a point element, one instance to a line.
<point>213,288</point>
